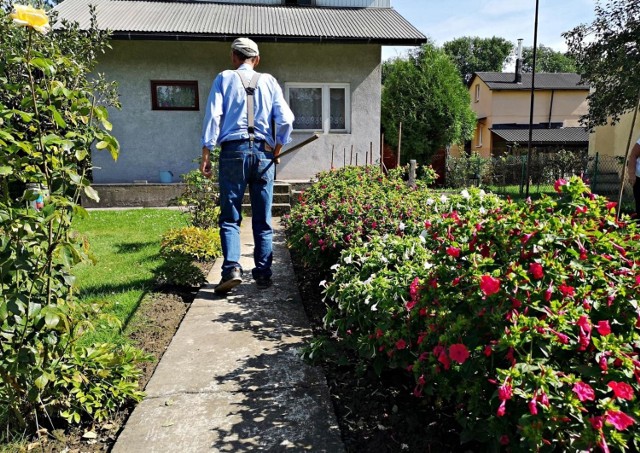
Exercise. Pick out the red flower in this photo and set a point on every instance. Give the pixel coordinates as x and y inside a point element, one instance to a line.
<point>444,360</point>
<point>581,210</point>
<point>488,351</point>
<point>489,285</point>
<point>536,271</point>
<point>504,440</point>
<point>621,390</point>
<point>567,291</point>
<point>505,392</point>
<point>543,399</point>
<point>611,205</point>
<point>453,251</point>
<point>558,185</point>
<point>533,407</point>
<point>604,328</point>
<point>584,324</point>
<point>597,423</point>
<point>583,391</point>
<point>502,409</point>
<point>619,420</point>
<point>459,353</point>
<point>401,344</point>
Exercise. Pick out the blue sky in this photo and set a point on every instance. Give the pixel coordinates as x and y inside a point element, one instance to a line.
<point>444,20</point>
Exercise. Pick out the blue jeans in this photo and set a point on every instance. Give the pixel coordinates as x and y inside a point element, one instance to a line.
<point>243,163</point>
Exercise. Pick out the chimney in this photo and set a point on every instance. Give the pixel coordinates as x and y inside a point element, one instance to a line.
<point>518,78</point>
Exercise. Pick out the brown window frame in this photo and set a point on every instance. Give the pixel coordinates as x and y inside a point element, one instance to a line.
<point>181,83</point>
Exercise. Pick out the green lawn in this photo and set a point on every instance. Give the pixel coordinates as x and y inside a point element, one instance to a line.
<point>125,245</point>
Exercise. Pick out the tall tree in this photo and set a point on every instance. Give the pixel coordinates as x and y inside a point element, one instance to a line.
<point>425,93</point>
<point>475,54</point>
<point>607,55</point>
<point>547,60</point>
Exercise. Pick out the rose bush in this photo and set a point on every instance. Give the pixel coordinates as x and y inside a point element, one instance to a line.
<point>524,315</point>
<point>348,206</point>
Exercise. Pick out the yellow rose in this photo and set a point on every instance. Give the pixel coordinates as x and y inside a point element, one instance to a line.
<point>28,16</point>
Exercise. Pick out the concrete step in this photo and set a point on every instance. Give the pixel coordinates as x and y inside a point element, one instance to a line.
<point>277,198</point>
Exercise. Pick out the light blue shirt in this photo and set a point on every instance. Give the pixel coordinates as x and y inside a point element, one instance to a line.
<point>225,115</point>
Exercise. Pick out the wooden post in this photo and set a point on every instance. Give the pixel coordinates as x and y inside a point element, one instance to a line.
<point>356,159</point>
<point>399,142</point>
<point>370,153</point>
<point>332,148</point>
<point>351,158</point>
<point>344,158</point>
<point>382,152</point>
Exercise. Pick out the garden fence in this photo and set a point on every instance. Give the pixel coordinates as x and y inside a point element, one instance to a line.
<point>507,174</point>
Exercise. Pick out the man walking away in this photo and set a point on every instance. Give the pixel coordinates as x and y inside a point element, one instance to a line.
<point>246,115</point>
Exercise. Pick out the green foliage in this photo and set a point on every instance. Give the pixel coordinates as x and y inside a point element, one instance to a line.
<point>201,197</point>
<point>507,311</point>
<point>50,116</point>
<point>347,206</point>
<point>606,55</point>
<point>547,60</point>
<point>197,243</point>
<point>475,54</point>
<point>426,95</point>
<point>180,270</point>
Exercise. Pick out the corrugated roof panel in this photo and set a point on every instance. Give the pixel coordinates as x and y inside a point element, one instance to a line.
<point>383,25</point>
<point>557,81</point>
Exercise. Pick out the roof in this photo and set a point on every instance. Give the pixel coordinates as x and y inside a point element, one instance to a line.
<point>564,135</point>
<point>544,81</point>
<point>223,21</point>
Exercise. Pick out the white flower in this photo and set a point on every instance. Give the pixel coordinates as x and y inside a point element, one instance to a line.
<point>465,194</point>
<point>428,265</point>
<point>430,201</point>
<point>482,210</point>
<point>482,193</point>
<point>384,259</point>
<point>348,259</point>
<point>443,199</point>
<point>374,307</point>
<point>335,267</point>
<point>367,300</point>
<point>422,239</point>
<point>401,226</point>
<point>323,283</point>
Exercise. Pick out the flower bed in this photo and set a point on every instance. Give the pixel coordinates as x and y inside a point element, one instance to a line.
<point>523,314</point>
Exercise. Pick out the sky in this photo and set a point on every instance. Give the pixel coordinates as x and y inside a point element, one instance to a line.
<point>445,20</point>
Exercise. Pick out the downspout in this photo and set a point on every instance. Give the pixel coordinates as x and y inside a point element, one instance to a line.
<point>553,92</point>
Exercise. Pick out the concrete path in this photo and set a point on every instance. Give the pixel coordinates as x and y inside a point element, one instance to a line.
<point>232,378</point>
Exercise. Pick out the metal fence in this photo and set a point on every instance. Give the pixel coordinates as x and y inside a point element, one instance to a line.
<point>507,174</point>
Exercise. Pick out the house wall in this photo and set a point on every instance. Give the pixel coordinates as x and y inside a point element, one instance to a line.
<point>612,140</point>
<point>154,141</point>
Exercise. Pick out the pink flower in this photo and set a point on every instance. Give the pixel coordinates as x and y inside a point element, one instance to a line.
<point>581,210</point>
<point>504,440</point>
<point>453,251</point>
<point>543,399</point>
<point>604,328</point>
<point>558,185</point>
<point>621,390</point>
<point>505,392</point>
<point>619,419</point>
<point>459,353</point>
<point>548,293</point>
<point>488,351</point>
<point>401,344</point>
<point>444,360</point>
<point>536,271</point>
<point>533,407</point>
<point>584,324</point>
<point>597,423</point>
<point>567,291</point>
<point>489,285</point>
<point>611,205</point>
<point>583,391</point>
<point>502,409</point>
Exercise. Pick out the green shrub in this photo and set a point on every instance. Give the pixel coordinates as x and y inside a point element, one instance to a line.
<point>348,206</point>
<point>197,243</point>
<point>201,197</point>
<point>180,270</point>
<point>524,316</point>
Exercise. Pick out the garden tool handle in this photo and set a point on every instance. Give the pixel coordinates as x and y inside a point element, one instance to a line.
<point>277,154</point>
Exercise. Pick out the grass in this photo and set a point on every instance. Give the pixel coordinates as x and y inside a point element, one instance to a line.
<point>125,245</point>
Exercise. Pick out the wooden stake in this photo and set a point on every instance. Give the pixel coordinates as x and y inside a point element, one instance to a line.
<point>382,152</point>
<point>371,153</point>
<point>344,158</point>
<point>356,159</point>
<point>332,148</point>
<point>399,142</point>
<point>351,158</point>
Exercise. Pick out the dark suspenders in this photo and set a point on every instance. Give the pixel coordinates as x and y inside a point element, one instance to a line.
<point>250,89</point>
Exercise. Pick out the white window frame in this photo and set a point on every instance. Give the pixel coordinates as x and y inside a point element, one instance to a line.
<point>479,145</point>
<point>326,105</point>
<point>478,92</point>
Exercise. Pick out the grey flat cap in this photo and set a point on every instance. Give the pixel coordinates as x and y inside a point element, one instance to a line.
<point>246,47</point>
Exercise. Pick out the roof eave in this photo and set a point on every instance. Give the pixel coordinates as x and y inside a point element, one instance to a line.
<point>173,36</point>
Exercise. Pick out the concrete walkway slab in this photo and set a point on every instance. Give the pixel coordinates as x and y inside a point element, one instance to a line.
<point>232,378</point>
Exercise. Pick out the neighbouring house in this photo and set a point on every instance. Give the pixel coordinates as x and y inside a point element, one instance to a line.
<point>613,140</point>
<point>502,102</point>
<point>326,54</point>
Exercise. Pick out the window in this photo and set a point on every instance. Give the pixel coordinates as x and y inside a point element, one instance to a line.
<point>479,135</point>
<point>174,95</point>
<point>320,107</point>
<point>478,93</point>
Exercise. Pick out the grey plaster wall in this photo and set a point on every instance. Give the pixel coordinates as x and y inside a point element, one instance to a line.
<point>154,141</point>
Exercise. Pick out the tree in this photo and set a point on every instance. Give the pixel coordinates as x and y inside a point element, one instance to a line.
<point>608,57</point>
<point>547,60</point>
<point>475,54</point>
<point>425,93</point>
